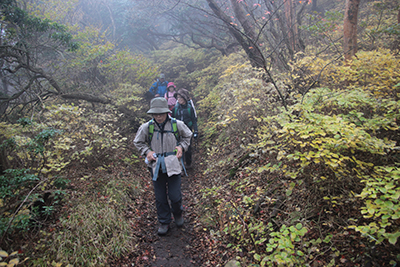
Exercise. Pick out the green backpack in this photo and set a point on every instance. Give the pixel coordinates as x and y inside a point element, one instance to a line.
<point>189,108</point>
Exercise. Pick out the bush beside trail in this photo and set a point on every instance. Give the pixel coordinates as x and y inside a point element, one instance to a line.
<point>289,186</point>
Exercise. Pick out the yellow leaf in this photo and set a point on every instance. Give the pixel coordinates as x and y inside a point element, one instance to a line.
<point>3,254</point>
<point>14,261</point>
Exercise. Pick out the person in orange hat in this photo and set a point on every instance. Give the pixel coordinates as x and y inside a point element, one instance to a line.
<point>170,95</point>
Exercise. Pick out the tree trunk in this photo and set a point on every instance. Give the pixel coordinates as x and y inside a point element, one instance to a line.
<point>291,25</point>
<point>245,39</point>
<point>350,29</point>
<point>398,17</point>
<point>242,18</point>
<point>314,5</point>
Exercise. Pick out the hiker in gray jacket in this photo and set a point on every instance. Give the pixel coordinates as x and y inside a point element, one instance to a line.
<point>162,141</point>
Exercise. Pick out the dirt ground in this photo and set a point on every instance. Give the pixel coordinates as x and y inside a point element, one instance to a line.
<point>175,249</point>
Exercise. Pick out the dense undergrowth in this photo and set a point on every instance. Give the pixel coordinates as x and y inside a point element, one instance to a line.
<point>70,179</point>
<point>66,189</point>
<point>316,184</point>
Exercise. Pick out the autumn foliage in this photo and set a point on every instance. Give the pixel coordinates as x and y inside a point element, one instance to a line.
<point>298,157</point>
<point>301,180</point>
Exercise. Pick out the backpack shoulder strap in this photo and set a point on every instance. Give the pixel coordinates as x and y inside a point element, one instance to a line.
<point>175,128</point>
<point>151,130</point>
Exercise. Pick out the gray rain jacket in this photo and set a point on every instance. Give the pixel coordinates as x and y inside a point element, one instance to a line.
<point>163,143</point>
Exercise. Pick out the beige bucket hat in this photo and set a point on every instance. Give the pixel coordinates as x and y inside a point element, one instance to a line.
<point>158,105</point>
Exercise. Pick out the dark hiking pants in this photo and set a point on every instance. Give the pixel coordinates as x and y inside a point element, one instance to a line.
<point>168,188</point>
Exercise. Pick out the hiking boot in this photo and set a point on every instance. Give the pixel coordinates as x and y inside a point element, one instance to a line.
<point>163,229</point>
<point>179,220</point>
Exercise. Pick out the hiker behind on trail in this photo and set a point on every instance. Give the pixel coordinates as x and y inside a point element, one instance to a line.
<point>162,141</point>
<point>185,112</point>
<point>170,95</point>
<point>159,88</point>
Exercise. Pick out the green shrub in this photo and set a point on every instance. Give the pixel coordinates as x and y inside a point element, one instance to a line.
<point>340,141</point>
<point>332,144</point>
<point>16,200</point>
<point>381,194</point>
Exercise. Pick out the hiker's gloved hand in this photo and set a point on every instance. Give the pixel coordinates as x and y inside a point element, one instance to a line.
<point>195,135</point>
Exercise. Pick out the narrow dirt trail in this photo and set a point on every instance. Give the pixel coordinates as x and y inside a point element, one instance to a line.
<point>176,249</point>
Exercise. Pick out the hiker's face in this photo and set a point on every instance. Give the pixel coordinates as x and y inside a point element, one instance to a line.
<point>171,88</point>
<point>162,80</point>
<point>181,100</point>
<point>160,118</point>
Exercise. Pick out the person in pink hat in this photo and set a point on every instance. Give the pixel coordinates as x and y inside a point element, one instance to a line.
<point>170,95</point>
